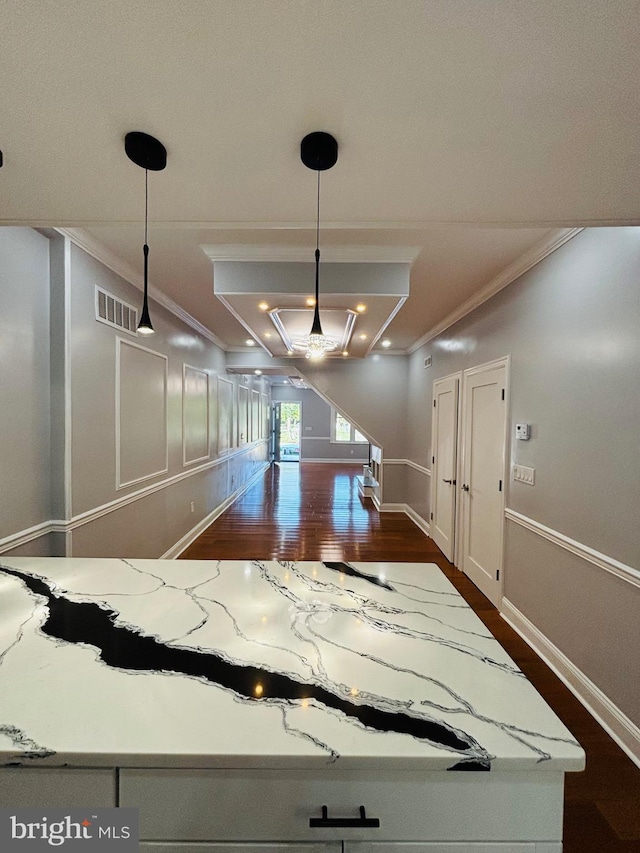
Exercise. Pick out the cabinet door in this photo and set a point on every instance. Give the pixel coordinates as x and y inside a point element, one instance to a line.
<point>255,847</point>
<point>24,787</point>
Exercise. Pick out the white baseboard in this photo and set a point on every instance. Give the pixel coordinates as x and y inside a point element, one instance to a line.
<point>623,730</point>
<point>189,537</point>
<point>418,520</point>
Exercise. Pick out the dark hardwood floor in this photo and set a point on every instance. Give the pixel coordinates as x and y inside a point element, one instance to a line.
<point>312,511</point>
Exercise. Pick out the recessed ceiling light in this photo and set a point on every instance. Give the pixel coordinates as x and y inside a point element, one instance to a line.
<point>363,337</point>
<point>386,344</point>
<point>250,342</point>
<point>310,301</point>
<point>289,352</point>
<point>361,307</point>
<point>345,352</point>
<point>258,372</point>
<point>267,334</point>
<point>263,306</point>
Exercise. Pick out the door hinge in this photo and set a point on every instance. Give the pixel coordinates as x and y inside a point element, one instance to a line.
<point>433,459</point>
<point>431,516</point>
<point>434,404</point>
<point>498,575</point>
<point>500,486</point>
<point>503,393</point>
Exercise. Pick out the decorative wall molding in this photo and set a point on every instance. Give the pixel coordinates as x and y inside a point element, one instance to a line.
<point>614,567</point>
<point>182,544</point>
<point>21,537</point>
<point>410,463</point>
<point>93,247</point>
<point>185,368</point>
<point>118,503</point>
<point>120,343</point>
<point>512,272</point>
<point>623,730</point>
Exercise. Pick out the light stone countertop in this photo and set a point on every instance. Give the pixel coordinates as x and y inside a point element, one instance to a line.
<point>250,664</point>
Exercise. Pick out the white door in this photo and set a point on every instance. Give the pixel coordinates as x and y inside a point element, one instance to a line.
<point>444,437</point>
<point>483,478</point>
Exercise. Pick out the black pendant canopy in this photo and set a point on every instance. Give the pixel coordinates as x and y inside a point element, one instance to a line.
<point>319,151</point>
<point>145,151</point>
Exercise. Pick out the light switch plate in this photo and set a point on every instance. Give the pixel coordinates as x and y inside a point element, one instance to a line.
<point>522,474</point>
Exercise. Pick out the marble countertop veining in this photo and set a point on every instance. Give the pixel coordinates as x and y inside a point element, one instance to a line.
<point>252,664</point>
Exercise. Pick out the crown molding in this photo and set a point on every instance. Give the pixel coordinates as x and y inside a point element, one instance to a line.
<point>512,272</point>
<point>101,253</point>
<point>302,254</point>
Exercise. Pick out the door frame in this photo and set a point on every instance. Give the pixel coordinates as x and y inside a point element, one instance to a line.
<point>504,361</point>
<point>457,440</point>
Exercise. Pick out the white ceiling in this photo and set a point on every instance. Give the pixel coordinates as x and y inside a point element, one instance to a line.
<point>469,129</point>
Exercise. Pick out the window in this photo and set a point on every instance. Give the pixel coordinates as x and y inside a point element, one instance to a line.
<point>343,431</point>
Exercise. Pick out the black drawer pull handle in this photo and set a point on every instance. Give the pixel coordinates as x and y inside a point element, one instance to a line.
<point>326,821</point>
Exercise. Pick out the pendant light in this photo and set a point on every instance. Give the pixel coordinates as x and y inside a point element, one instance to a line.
<point>148,153</point>
<point>318,151</point>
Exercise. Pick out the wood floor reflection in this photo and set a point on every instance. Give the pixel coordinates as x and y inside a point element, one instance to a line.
<point>312,511</point>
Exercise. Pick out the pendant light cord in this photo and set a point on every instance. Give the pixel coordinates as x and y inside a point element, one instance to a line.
<point>146,203</point>
<point>318,242</point>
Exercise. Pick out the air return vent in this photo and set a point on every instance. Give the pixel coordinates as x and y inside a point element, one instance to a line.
<point>114,312</point>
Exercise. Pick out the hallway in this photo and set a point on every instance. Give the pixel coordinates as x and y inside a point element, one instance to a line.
<point>313,512</point>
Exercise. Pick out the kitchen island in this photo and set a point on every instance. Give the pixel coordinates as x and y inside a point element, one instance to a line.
<point>249,705</point>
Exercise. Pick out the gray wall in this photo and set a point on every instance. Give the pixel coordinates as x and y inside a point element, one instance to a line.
<point>59,413</point>
<point>571,327</point>
<point>149,526</point>
<point>25,467</point>
<point>371,393</point>
<point>315,434</point>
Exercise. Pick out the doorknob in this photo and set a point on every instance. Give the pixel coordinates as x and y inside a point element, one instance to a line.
<point>465,488</point>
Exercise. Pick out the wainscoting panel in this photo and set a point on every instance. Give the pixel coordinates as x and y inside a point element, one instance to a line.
<point>141,414</point>
<point>195,415</point>
<point>225,414</point>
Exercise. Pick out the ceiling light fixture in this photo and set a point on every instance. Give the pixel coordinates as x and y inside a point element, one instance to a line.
<point>250,342</point>
<point>318,151</point>
<point>310,301</point>
<point>361,307</point>
<point>263,306</point>
<point>148,153</point>
<point>386,344</point>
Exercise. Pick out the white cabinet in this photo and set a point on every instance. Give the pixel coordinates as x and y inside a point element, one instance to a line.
<point>449,847</point>
<point>258,847</point>
<point>21,787</point>
<point>472,811</point>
